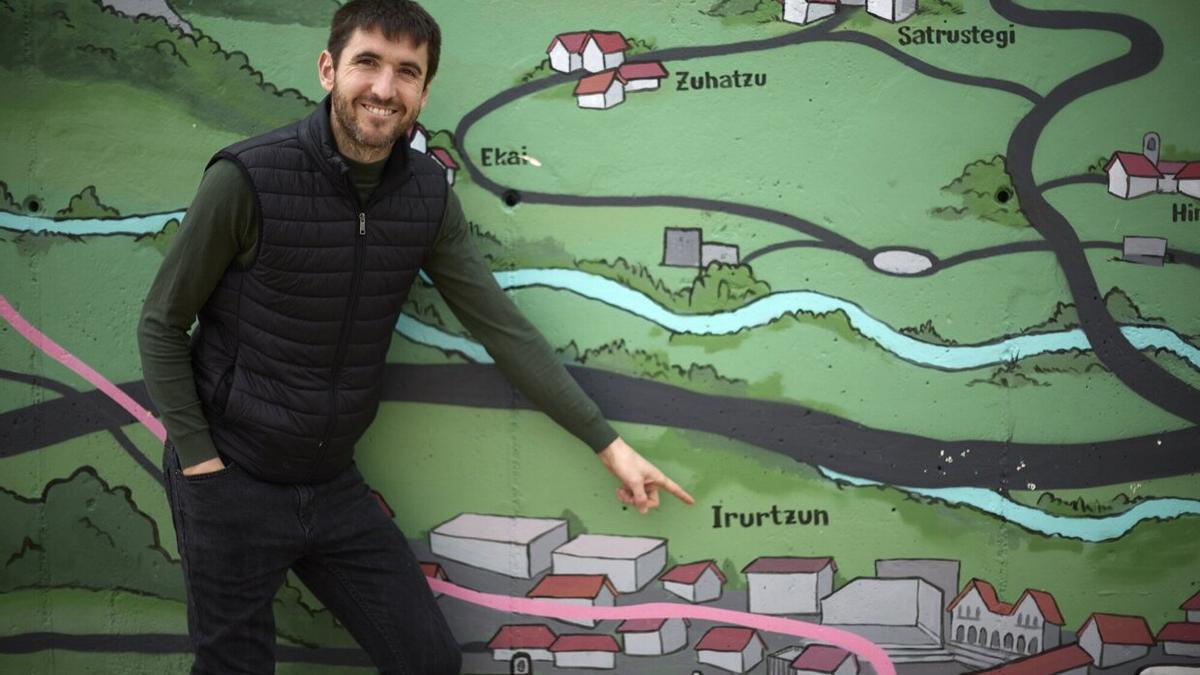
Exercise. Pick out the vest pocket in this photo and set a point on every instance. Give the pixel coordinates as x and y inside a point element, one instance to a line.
<point>224,387</point>
<point>227,400</point>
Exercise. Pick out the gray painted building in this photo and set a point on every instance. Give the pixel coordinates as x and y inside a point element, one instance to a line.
<point>681,246</point>
<point>1144,250</point>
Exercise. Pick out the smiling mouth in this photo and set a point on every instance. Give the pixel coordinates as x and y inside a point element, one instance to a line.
<point>378,111</point>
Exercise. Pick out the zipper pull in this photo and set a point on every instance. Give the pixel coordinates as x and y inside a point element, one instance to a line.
<point>362,224</point>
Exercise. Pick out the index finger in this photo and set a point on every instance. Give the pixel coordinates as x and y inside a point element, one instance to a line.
<point>673,487</point>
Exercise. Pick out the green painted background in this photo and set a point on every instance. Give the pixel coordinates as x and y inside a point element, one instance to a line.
<point>108,116</point>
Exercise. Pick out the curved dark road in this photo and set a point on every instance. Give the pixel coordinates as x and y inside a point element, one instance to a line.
<point>1137,371</point>
<point>806,435</point>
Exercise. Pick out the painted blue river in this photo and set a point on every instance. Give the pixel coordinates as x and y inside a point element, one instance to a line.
<point>764,311</point>
<point>1087,528</point>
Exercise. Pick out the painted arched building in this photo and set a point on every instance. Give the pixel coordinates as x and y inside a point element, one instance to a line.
<point>978,618</point>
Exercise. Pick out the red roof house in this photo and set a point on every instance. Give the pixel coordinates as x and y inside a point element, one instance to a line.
<point>592,50</point>
<point>789,585</point>
<point>595,84</point>
<point>580,586</point>
<point>603,50</point>
<point>609,42</point>
<point>1065,660</point>
<point>1135,164</point>
<point>824,660</point>
<point>594,590</point>
<point>533,639</point>
<point>600,91</point>
<point>585,651</point>
<point>1120,629</point>
<point>653,637</point>
<point>1113,639</point>
<point>1131,174</point>
<point>1192,604</point>
<point>1180,638</point>
<point>733,648</point>
<point>641,75</point>
<point>572,42</point>
<point>695,582</point>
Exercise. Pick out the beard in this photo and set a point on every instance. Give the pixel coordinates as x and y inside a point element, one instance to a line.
<point>369,137</point>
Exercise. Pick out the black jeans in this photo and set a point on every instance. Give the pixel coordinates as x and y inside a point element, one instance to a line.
<point>238,536</point>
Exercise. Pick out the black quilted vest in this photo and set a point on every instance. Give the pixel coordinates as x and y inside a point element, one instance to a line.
<point>289,353</point>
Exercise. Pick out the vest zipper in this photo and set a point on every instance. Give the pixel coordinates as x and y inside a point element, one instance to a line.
<point>347,324</point>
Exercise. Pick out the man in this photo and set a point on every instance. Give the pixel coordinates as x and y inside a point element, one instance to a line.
<point>296,256</point>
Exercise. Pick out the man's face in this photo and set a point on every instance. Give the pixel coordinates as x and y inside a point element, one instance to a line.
<point>378,88</point>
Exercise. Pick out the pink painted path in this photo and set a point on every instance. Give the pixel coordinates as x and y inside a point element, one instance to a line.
<point>864,649</point>
<point>56,352</point>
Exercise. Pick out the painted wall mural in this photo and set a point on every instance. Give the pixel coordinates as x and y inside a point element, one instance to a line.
<point>903,292</point>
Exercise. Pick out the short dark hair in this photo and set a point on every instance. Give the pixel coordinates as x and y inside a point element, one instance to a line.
<point>395,18</point>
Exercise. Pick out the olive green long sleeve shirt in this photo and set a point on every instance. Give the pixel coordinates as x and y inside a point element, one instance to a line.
<point>221,229</point>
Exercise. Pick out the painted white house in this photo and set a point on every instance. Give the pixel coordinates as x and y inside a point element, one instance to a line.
<point>442,157</point>
<point>788,585</point>
<point>418,138</point>
<point>512,546</point>
<point>588,590</point>
<point>731,648</point>
<point>566,51</point>
<point>824,660</point>
<point>433,570</point>
<point>585,651</point>
<point>1113,639</point>
<point>1030,625</point>
<point>603,51</point>
<point>1192,607</point>
<point>1188,180</point>
<point>695,582</point>
<point>600,91</point>
<point>892,10</point>
<point>892,603</point>
<point>1131,175</point>
<point>630,563</point>
<point>641,75</point>
<point>808,11</point>
<point>1066,660</point>
<point>532,639</point>
<point>653,637</point>
<point>1180,638</point>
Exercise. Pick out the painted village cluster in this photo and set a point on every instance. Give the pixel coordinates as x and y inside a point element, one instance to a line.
<point>918,610</point>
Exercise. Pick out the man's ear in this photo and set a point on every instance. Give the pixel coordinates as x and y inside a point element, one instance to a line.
<point>325,70</point>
